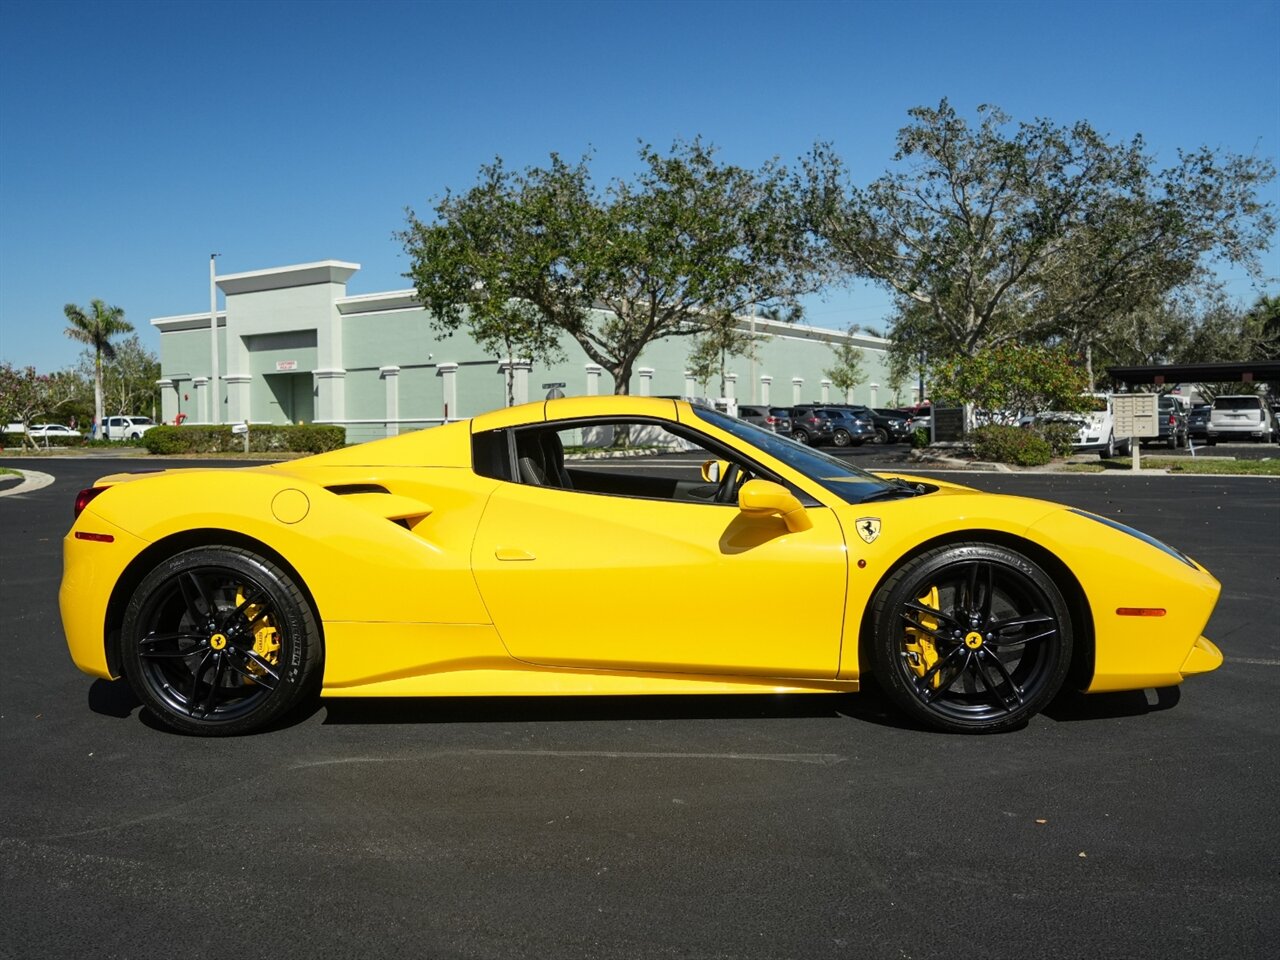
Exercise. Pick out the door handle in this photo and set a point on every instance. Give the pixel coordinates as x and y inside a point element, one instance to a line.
<point>513,553</point>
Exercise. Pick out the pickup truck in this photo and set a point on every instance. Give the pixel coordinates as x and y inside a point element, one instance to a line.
<point>125,428</point>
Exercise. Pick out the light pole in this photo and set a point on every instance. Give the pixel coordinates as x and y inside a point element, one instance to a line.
<point>215,408</point>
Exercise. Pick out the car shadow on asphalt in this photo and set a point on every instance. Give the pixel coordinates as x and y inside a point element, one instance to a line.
<point>114,698</point>
<point>868,705</point>
<point>1071,705</point>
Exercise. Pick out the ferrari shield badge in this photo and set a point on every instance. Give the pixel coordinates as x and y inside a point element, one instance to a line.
<point>868,528</point>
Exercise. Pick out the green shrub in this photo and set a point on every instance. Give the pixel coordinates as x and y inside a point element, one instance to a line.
<point>13,441</point>
<point>265,438</point>
<point>1059,436</point>
<point>919,438</point>
<point>1017,445</point>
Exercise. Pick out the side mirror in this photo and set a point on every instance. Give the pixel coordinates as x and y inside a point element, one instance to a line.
<point>713,470</point>
<point>763,498</point>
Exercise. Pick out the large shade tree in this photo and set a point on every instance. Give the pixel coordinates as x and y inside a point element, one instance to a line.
<point>997,233</point>
<point>687,243</point>
<point>96,327</point>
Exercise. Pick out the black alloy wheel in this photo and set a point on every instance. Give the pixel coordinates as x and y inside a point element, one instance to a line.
<point>971,638</point>
<point>841,438</point>
<point>882,435</point>
<point>219,641</point>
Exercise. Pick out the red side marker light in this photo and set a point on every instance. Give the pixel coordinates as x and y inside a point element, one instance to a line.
<point>84,496</point>
<point>1140,611</point>
<point>95,537</point>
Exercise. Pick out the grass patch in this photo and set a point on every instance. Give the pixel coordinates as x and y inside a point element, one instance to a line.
<point>1209,466</point>
<point>6,472</point>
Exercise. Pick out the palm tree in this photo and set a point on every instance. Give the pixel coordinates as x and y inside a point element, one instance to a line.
<point>96,328</point>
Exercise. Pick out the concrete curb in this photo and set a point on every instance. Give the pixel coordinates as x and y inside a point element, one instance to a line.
<point>31,480</point>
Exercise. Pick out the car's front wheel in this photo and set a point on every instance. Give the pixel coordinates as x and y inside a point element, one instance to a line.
<point>970,638</point>
<point>882,435</point>
<point>219,641</point>
<point>799,436</point>
<point>841,438</point>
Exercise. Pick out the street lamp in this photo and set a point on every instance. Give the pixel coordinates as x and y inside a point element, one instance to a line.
<point>215,408</point>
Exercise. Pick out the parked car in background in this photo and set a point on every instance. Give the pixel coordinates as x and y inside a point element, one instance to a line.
<point>1198,421</point>
<point>1095,430</point>
<point>777,419</point>
<point>847,428</point>
<point>1244,417</point>
<point>810,426</point>
<point>125,428</point>
<point>1172,422</point>
<point>53,430</point>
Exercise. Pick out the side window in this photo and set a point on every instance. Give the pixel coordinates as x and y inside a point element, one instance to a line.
<point>491,455</point>
<point>641,459</point>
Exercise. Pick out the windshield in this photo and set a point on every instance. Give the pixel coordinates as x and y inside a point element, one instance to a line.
<point>843,479</point>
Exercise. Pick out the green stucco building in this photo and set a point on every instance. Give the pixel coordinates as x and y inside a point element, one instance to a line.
<point>295,347</point>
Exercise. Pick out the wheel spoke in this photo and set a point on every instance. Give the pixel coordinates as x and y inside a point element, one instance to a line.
<point>927,692</point>
<point>1028,620</point>
<point>917,625</point>
<point>211,700</point>
<point>988,590</point>
<point>193,589</point>
<point>981,671</point>
<point>268,679</point>
<point>147,646</point>
<point>1007,643</point>
<point>257,594</point>
<point>195,679</point>
<point>929,611</point>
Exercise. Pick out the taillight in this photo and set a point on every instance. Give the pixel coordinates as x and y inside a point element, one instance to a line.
<point>1173,421</point>
<point>770,419</point>
<point>85,496</point>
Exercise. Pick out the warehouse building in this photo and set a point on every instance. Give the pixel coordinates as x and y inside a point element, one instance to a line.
<point>294,347</point>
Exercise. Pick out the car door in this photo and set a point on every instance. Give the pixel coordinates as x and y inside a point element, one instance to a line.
<point>641,581</point>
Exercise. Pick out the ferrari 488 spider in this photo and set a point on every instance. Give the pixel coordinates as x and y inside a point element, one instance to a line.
<point>479,558</point>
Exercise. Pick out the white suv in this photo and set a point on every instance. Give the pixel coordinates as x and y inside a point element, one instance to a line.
<point>125,428</point>
<point>1243,417</point>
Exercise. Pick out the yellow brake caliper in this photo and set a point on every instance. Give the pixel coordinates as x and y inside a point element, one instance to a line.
<point>266,639</point>
<point>921,652</point>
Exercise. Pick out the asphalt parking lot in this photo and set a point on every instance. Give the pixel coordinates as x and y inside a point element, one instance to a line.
<point>1127,826</point>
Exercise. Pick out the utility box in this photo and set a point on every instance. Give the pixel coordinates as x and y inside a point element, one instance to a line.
<point>1136,415</point>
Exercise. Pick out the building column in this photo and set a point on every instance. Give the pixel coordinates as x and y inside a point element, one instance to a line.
<point>593,379</point>
<point>519,379</point>
<point>764,389</point>
<point>200,402</point>
<point>237,397</point>
<point>731,386</point>
<point>646,381</point>
<point>875,396</point>
<point>391,379</point>
<point>797,385</point>
<point>448,374</point>
<point>690,385</point>
<point>331,394</point>
<point>168,396</point>
<point>826,391</point>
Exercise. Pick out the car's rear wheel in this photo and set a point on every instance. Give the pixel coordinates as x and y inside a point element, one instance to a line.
<point>970,638</point>
<point>799,436</point>
<point>882,435</point>
<point>841,438</point>
<point>218,641</point>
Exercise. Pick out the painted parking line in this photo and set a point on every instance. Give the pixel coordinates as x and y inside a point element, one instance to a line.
<point>1253,662</point>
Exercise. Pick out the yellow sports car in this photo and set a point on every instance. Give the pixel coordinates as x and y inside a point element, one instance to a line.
<point>611,545</point>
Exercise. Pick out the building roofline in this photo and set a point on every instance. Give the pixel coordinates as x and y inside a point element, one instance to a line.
<point>294,275</point>
<point>188,321</point>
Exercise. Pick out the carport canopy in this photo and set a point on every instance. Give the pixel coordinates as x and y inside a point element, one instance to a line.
<point>1253,371</point>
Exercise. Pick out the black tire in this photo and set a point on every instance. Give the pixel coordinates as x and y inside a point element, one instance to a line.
<point>218,641</point>
<point>799,436</point>
<point>1001,640</point>
<point>882,435</point>
<point>1111,447</point>
<point>841,438</point>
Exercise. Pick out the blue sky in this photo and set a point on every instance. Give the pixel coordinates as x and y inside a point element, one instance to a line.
<point>137,138</point>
